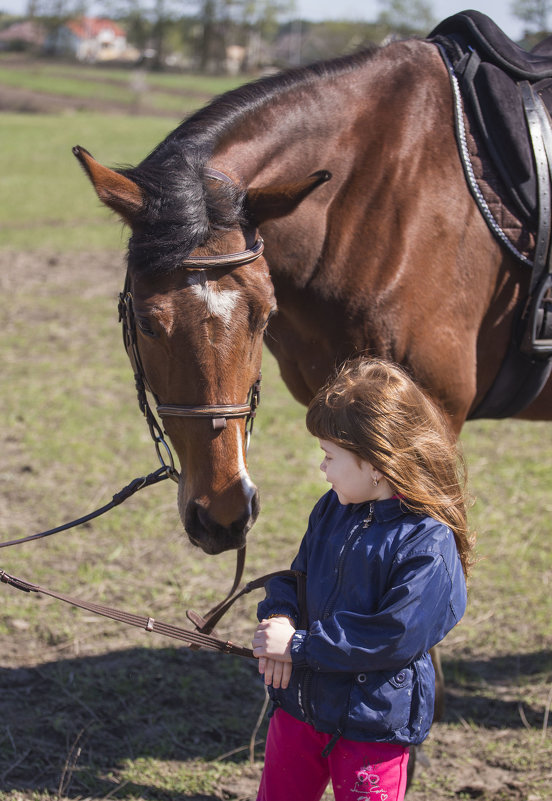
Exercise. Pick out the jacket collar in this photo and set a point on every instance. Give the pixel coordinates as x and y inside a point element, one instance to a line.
<point>383,510</point>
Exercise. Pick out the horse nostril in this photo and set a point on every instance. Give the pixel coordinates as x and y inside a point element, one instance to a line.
<point>255,506</point>
<point>191,522</point>
<point>197,520</point>
<point>202,516</point>
<point>212,536</point>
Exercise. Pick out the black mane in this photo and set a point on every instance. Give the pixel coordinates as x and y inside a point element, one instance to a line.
<point>183,210</point>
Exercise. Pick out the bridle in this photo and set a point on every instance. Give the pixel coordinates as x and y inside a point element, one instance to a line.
<point>218,413</point>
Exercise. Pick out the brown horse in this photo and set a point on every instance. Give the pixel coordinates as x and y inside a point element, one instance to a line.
<point>373,244</point>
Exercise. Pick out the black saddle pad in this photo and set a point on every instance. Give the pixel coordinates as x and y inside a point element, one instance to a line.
<point>493,96</point>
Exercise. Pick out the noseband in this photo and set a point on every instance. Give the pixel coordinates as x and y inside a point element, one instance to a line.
<point>217,413</point>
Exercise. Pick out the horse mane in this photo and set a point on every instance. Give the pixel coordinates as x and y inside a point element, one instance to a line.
<point>182,210</point>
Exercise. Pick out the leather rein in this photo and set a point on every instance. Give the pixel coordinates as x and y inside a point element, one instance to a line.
<point>218,413</point>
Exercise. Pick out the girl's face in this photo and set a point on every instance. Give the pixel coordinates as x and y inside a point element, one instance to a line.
<point>352,478</point>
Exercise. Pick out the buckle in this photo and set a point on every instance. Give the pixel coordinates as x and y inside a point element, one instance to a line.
<point>537,341</point>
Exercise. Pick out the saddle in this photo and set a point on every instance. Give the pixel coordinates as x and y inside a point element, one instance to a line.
<point>503,100</point>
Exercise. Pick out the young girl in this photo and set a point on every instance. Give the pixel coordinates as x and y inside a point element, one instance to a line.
<point>385,555</point>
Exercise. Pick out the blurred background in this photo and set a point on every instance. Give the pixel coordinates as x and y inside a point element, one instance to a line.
<point>234,36</point>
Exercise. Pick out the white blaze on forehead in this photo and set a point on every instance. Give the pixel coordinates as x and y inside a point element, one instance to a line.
<point>218,302</point>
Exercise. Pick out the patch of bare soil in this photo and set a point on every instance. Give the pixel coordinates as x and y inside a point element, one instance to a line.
<point>29,271</point>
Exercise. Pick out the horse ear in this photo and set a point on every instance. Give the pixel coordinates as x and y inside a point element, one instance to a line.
<point>271,202</point>
<point>119,193</point>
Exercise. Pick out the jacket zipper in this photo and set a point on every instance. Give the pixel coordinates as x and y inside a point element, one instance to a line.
<point>346,547</point>
<point>306,684</point>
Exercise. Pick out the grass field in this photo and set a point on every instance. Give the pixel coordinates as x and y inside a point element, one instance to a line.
<point>45,202</point>
<point>131,89</point>
<point>91,709</point>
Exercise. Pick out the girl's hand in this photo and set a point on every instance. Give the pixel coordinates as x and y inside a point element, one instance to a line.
<point>273,639</point>
<point>272,647</point>
<point>276,673</point>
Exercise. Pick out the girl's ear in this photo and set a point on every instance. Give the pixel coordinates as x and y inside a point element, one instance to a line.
<point>278,200</point>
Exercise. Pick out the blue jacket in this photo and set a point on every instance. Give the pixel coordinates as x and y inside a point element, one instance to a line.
<point>382,589</point>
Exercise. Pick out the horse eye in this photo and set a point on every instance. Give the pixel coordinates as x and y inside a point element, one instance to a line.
<point>268,319</point>
<point>145,327</point>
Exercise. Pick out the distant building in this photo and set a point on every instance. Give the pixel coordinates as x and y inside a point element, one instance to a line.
<point>22,36</point>
<point>92,39</point>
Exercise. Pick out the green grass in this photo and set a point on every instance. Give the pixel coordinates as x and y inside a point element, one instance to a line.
<point>68,86</point>
<point>205,85</point>
<point>46,200</point>
<point>177,94</point>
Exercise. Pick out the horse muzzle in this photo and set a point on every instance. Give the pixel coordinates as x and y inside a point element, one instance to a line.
<point>214,535</point>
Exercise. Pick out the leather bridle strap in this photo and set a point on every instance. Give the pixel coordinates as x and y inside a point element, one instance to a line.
<point>219,611</point>
<point>226,259</point>
<point>219,413</point>
<point>135,485</point>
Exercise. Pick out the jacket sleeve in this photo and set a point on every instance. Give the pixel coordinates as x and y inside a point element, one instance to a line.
<point>281,593</point>
<point>426,597</point>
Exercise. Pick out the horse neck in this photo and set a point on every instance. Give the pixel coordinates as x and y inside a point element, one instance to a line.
<point>365,125</point>
<point>301,128</point>
<point>349,256</point>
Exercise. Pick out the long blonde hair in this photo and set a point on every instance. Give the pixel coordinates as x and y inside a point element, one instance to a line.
<point>374,409</point>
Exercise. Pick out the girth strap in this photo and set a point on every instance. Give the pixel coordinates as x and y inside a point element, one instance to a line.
<point>537,336</point>
<point>539,129</point>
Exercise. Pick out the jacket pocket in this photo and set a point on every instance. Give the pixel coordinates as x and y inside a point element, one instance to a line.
<point>381,702</point>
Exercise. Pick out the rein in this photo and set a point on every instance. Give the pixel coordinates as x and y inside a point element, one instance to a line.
<point>197,639</point>
<point>135,485</point>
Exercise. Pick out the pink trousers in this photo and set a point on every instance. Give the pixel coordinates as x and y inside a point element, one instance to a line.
<point>295,769</point>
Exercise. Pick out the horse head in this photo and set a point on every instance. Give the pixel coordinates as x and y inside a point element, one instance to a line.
<point>201,297</point>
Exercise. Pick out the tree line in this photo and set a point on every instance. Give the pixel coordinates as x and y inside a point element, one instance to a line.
<point>266,32</point>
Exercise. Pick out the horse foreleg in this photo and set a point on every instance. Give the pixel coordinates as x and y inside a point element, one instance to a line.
<point>439,707</point>
<point>411,765</point>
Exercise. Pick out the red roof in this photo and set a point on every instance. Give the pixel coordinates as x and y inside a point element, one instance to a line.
<point>91,27</point>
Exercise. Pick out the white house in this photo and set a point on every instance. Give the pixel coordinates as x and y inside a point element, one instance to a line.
<point>92,39</point>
